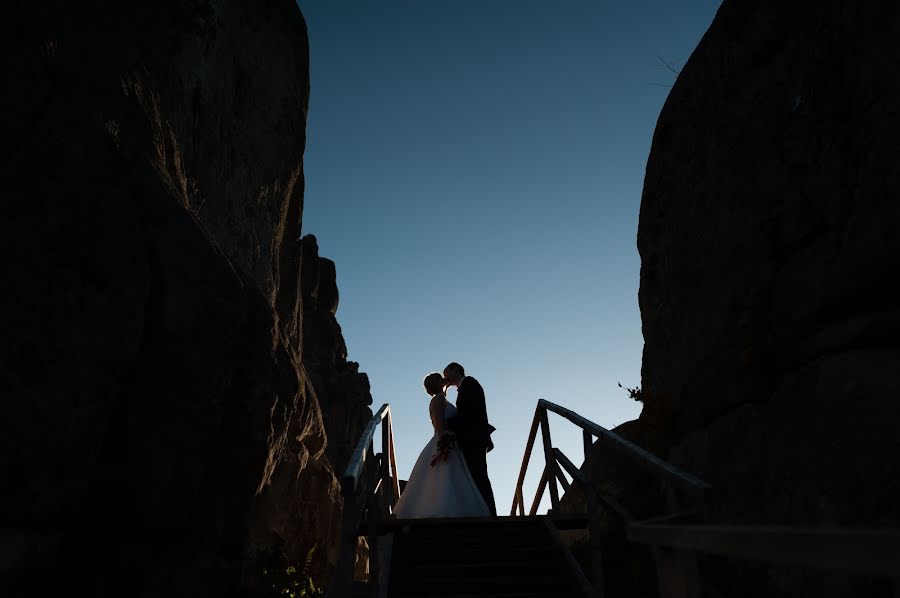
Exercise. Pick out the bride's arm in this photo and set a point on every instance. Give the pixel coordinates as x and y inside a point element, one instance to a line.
<point>437,415</point>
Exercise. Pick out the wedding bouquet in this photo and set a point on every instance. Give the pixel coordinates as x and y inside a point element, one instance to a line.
<point>446,443</point>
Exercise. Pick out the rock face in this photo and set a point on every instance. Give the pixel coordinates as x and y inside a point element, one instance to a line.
<point>341,390</point>
<point>158,424</point>
<point>768,240</point>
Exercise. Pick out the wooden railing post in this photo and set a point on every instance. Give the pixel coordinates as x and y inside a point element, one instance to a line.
<point>387,487</point>
<point>590,492</point>
<point>677,538</point>
<point>540,492</point>
<point>677,572</point>
<point>529,445</point>
<point>369,486</point>
<point>392,459</point>
<point>372,519</point>
<point>551,461</point>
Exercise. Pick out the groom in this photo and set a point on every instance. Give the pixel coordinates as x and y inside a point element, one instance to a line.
<point>473,432</point>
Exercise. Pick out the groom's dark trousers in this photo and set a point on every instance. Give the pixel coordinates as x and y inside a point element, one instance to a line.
<point>473,433</point>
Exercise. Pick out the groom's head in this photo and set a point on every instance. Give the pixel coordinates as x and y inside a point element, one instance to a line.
<point>454,374</point>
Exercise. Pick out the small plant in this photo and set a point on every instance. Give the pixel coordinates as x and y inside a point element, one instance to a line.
<point>112,127</point>
<point>283,579</point>
<point>48,49</point>
<point>633,393</point>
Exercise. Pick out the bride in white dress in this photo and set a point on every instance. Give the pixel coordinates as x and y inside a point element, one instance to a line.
<point>445,488</point>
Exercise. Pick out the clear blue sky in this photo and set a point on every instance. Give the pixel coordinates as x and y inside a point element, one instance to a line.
<point>475,169</point>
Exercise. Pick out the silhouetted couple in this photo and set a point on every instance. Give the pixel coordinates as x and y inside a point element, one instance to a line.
<point>450,477</point>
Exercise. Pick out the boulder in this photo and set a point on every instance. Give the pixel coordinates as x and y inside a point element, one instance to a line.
<point>159,429</point>
<point>768,239</point>
<point>341,390</point>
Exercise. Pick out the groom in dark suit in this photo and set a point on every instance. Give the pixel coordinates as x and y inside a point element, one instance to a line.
<point>473,432</point>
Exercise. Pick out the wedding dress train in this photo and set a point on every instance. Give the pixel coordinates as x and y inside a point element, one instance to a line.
<point>444,490</point>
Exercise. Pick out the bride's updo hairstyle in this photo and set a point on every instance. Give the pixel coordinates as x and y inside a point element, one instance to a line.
<point>434,383</point>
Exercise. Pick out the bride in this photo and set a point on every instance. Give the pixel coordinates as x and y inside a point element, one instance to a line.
<point>440,484</point>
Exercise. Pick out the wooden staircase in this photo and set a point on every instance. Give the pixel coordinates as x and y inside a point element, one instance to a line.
<point>523,554</point>
<point>499,557</point>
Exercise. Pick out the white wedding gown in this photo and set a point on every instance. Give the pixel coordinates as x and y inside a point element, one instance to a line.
<point>445,490</point>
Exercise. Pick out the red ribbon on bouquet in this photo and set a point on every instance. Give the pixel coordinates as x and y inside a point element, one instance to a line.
<point>446,443</point>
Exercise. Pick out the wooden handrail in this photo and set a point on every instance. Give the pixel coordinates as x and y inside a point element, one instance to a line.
<point>570,467</point>
<point>642,457</point>
<point>559,475</point>
<point>677,537</point>
<point>548,457</point>
<point>372,492</point>
<point>556,462</point>
<point>590,487</point>
<point>392,460</point>
<point>374,489</point>
<point>529,445</point>
<point>687,483</point>
<point>354,466</point>
<point>871,552</point>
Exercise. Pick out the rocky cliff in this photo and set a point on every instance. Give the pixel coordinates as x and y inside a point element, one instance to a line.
<point>159,426</point>
<point>341,390</point>
<point>768,244</point>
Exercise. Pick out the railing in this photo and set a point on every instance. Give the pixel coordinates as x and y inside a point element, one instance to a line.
<point>691,489</point>
<point>676,538</point>
<point>370,487</point>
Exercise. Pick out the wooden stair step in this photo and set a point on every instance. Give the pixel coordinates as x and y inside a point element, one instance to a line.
<point>466,541</point>
<point>476,554</point>
<point>560,521</point>
<point>514,554</point>
<point>484,584</point>
<point>474,548</point>
<point>495,543</point>
<point>446,527</point>
<point>466,535</point>
<point>512,558</point>
<point>471,570</point>
<point>537,536</point>
<point>557,593</point>
<point>462,533</point>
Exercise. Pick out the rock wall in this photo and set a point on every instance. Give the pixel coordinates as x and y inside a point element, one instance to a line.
<point>768,244</point>
<point>158,427</point>
<point>341,390</point>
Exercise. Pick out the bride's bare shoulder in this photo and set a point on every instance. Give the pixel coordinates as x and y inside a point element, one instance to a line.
<point>437,401</point>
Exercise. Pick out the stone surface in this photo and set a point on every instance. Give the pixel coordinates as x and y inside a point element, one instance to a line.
<point>158,426</point>
<point>768,243</point>
<point>341,390</point>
